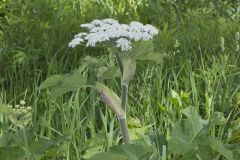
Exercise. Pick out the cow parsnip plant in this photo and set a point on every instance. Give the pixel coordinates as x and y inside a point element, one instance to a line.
<point>116,36</point>
<point>121,40</point>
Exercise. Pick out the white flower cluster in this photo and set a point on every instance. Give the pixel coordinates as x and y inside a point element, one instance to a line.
<point>20,108</point>
<point>20,114</point>
<point>110,29</point>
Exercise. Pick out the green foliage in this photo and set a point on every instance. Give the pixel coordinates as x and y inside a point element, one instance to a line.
<point>23,144</point>
<point>144,51</point>
<point>11,153</point>
<point>191,139</point>
<point>129,68</point>
<point>201,71</point>
<point>126,152</point>
<point>60,84</point>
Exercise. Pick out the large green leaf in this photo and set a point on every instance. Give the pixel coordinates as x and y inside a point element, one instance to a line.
<point>60,84</point>
<point>217,118</point>
<point>221,148</point>
<point>51,81</point>
<point>109,72</point>
<point>192,114</point>
<point>69,83</point>
<point>94,145</point>
<point>129,67</point>
<point>108,156</point>
<point>125,152</point>
<point>182,138</point>
<point>184,132</point>
<point>158,140</point>
<point>205,153</point>
<point>144,50</point>
<point>190,139</point>
<point>133,151</point>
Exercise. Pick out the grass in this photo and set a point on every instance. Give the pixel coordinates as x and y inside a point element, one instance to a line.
<point>200,75</point>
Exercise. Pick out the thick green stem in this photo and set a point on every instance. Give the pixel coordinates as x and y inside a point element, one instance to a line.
<point>124,129</point>
<point>124,97</point>
<point>123,121</point>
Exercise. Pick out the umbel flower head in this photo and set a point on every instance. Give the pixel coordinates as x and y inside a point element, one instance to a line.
<point>110,30</point>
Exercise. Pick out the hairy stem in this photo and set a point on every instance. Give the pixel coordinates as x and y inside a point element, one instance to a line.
<point>124,129</point>
<point>123,121</point>
<point>124,97</point>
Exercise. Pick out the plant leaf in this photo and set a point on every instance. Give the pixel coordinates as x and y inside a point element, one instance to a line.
<point>132,151</point>
<point>111,72</point>
<point>69,83</point>
<point>125,152</point>
<point>60,84</point>
<point>51,81</point>
<point>144,50</point>
<point>42,144</point>
<point>108,156</point>
<point>220,148</point>
<point>11,153</point>
<point>182,137</point>
<point>110,98</point>
<point>129,67</point>
<point>192,114</point>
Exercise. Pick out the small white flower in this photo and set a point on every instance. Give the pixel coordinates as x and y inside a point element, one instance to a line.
<point>97,22</point>
<point>137,36</point>
<point>146,36</point>
<point>29,108</point>
<point>150,29</point>
<point>10,106</point>
<point>87,25</point>
<point>110,21</point>
<point>124,26</point>
<point>22,108</point>
<point>24,111</point>
<point>177,44</point>
<point>124,44</point>
<point>237,36</point>
<point>237,47</point>
<point>75,42</point>
<point>22,102</point>
<point>80,35</point>
<point>94,30</point>
<point>136,25</point>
